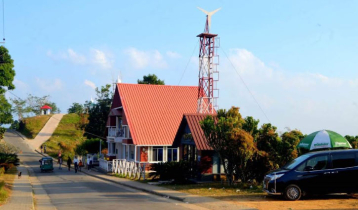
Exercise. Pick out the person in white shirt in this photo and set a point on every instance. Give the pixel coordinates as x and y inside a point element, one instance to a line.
<point>75,162</point>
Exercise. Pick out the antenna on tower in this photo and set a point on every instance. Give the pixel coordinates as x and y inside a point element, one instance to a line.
<point>208,18</point>
<point>3,22</point>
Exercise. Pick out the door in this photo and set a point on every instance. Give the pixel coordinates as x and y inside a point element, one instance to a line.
<point>344,172</point>
<point>313,174</point>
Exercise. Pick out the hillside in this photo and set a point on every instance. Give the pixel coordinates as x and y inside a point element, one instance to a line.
<point>31,126</point>
<point>66,137</point>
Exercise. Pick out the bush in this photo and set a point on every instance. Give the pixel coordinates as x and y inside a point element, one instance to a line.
<point>177,171</point>
<point>7,161</point>
<point>2,131</point>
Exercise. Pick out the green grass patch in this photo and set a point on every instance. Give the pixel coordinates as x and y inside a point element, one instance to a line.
<point>6,182</point>
<point>66,137</point>
<point>31,126</point>
<point>217,189</point>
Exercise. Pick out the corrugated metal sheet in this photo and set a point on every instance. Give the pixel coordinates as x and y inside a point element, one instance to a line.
<point>154,112</point>
<point>196,131</point>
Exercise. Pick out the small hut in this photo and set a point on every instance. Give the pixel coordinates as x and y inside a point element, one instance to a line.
<point>45,110</point>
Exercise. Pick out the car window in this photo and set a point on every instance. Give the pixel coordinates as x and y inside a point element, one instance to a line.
<point>295,162</point>
<point>343,160</point>
<point>317,163</point>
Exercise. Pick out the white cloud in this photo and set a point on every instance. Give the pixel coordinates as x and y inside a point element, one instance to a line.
<point>75,57</point>
<point>143,59</point>
<point>307,101</point>
<point>101,58</point>
<point>49,85</point>
<point>92,57</point>
<point>173,55</point>
<point>69,55</point>
<point>89,83</point>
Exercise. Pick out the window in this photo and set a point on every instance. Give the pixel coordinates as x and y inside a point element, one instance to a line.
<point>172,154</point>
<point>316,163</point>
<point>131,148</point>
<point>157,154</point>
<point>343,160</point>
<point>113,148</point>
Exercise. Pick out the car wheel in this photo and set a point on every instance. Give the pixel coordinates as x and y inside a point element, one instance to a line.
<point>292,192</point>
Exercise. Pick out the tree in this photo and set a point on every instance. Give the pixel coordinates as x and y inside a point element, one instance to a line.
<point>20,107</point>
<point>35,103</point>
<point>151,79</point>
<point>76,108</point>
<point>269,141</point>
<point>7,72</point>
<point>353,141</point>
<point>90,146</point>
<point>251,126</point>
<point>98,112</point>
<point>5,111</point>
<point>54,107</point>
<point>234,145</point>
<point>288,146</point>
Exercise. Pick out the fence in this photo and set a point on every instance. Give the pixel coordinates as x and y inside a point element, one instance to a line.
<point>105,165</point>
<point>128,168</point>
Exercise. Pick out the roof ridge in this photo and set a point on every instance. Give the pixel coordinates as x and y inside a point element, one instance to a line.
<point>156,85</point>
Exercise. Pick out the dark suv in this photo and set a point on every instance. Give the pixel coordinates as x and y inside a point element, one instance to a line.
<point>323,172</point>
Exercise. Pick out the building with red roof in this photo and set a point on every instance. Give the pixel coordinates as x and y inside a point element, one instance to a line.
<point>46,109</point>
<point>144,121</point>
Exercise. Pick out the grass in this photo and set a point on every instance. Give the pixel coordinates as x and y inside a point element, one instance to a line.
<point>33,125</point>
<point>6,182</point>
<point>66,136</point>
<point>217,189</point>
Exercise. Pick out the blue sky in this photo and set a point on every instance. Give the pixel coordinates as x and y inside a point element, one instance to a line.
<point>298,58</point>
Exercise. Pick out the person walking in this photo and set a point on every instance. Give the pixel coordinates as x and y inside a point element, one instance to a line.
<point>41,148</point>
<point>60,162</point>
<point>69,162</point>
<point>88,163</point>
<point>45,148</point>
<point>80,164</point>
<point>75,162</point>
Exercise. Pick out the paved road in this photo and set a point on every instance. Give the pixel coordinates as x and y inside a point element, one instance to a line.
<point>68,190</point>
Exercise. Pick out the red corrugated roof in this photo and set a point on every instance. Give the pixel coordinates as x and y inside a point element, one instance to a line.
<point>46,107</point>
<point>196,130</point>
<point>154,112</point>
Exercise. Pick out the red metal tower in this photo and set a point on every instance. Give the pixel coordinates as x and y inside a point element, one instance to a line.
<point>208,73</point>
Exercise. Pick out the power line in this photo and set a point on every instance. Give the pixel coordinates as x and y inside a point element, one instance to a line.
<point>187,64</point>
<point>247,87</point>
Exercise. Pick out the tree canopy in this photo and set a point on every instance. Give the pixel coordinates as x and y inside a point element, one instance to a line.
<point>98,112</point>
<point>5,111</point>
<point>7,72</point>
<point>233,144</point>
<point>151,79</point>
<point>76,108</point>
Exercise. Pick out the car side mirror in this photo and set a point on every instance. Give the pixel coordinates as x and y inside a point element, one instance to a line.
<point>308,168</point>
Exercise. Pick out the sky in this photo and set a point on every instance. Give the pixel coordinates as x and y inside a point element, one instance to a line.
<point>296,59</point>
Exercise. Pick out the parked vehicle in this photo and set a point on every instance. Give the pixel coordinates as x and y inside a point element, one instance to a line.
<point>323,172</point>
<point>46,164</point>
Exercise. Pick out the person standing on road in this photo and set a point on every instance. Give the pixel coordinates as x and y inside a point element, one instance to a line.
<point>45,148</point>
<point>75,162</point>
<point>41,149</point>
<point>80,164</point>
<point>69,162</point>
<point>60,162</point>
